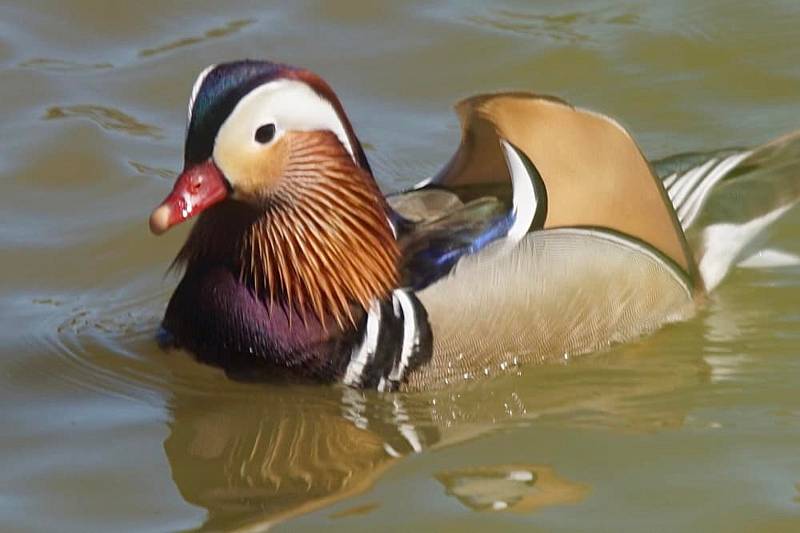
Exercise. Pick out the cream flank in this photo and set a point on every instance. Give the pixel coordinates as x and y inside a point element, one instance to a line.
<point>290,105</point>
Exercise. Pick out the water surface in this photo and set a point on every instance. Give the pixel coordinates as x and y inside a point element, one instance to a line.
<point>694,428</point>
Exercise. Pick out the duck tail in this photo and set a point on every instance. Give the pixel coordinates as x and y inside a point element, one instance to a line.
<point>727,200</point>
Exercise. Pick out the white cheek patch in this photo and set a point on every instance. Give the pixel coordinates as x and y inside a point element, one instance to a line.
<point>196,89</point>
<point>289,104</point>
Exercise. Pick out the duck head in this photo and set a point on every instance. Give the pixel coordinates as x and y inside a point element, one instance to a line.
<point>283,192</point>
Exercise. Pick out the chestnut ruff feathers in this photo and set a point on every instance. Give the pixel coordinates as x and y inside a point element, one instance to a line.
<point>321,243</point>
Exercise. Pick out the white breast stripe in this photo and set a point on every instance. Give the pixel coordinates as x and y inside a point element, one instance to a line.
<point>410,334</point>
<point>524,194</point>
<point>362,354</point>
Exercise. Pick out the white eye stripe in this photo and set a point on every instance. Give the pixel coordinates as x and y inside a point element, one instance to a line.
<point>289,104</point>
<point>196,89</point>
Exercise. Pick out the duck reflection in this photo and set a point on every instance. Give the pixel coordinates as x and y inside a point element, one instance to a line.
<point>254,455</point>
<point>516,488</point>
<point>272,452</point>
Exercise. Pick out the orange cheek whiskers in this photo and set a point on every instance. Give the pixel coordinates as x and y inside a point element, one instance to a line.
<point>324,243</point>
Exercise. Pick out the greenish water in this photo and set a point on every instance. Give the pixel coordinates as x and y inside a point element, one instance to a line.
<point>694,428</point>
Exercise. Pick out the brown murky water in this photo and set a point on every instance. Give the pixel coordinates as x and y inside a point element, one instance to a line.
<point>694,428</point>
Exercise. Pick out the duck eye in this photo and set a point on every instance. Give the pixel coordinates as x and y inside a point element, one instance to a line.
<point>265,133</point>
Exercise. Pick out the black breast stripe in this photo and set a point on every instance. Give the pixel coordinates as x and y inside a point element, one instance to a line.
<point>396,340</point>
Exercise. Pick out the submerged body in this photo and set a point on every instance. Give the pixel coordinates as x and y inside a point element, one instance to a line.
<point>546,235</point>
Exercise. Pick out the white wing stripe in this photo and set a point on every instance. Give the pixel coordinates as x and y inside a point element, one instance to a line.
<point>524,199</point>
<point>691,207</point>
<point>685,183</point>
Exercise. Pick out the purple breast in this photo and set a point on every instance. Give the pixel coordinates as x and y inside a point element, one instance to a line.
<point>218,318</point>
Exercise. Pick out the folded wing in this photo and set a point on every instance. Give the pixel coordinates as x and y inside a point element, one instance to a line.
<point>593,172</point>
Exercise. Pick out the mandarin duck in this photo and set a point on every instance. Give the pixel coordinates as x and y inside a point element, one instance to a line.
<point>547,234</point>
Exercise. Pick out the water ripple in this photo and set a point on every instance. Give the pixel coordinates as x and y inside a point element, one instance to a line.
<point>215,33</point>
<point>518,488</point>
<point>107,118</point>
<point>105,342</point>
<point>62,65</point>
<point>571,27</point>
<point>147,170</point>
